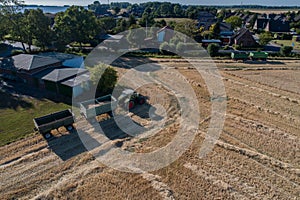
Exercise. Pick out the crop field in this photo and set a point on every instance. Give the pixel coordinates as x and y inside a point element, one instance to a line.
<point>256,157</point>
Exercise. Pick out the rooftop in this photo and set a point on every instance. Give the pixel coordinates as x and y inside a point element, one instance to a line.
<point>27,62</point>
<point>63,74</point>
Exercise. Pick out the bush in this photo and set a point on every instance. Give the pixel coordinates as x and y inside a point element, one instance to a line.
<point>164,47</point>
<point>180,47</point>
<point>213,50</point>
<point>103,77</point>
<point>286,50</point>
<point>226,47</point>
<point>237,47</point>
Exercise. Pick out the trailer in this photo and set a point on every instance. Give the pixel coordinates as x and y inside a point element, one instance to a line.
<point>239,56</point>
<point>258,55</point>
<point>94,107</point>
<point>53,121</point>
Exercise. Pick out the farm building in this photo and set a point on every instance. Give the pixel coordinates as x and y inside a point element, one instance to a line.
<point>244,38</point>
<point>68,60</point>
<point>67,81</point>
<point>23,67</point>
<point>47,72</point>
<point>165,34</point>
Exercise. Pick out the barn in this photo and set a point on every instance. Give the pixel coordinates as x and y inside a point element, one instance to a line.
<point>67,81</point>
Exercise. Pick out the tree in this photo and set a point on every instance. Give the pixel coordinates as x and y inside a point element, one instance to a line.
<point>286,50</point>
<point>136,36</point>
<point>38,27</point>
<point>215,30</point>
<point>178,12</point>
<point>3,27</point>
<point>213,49</point>
<point>147,20</point>
<point>76,24</point>
<point>131,20</point>
<point>97,8</point>
<point>265,38</point>
<point>235,21</point>
<point>116,9</point>
<point>103,77</point>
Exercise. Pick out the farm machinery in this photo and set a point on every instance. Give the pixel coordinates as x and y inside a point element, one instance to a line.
<point>258,55</point>
<point>89,109</point>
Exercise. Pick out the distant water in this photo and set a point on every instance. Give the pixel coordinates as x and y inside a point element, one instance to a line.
<point>48,9</point>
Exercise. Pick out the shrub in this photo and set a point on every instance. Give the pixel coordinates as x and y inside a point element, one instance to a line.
<point>103,77</point>
<point>213,50</point>
<point>286,50</point>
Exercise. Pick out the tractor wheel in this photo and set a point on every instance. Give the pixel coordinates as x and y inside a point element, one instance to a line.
<point>131,105</point>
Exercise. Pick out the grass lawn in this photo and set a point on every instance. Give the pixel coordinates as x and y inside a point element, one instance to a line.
<point>177,20</point>
<point>17,114</point>
<point>288,43</point>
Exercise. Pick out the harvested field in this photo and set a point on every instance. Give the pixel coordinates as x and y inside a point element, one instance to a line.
<point>256,157</point>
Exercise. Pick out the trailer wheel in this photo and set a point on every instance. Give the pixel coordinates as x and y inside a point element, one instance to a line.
<point>70,127</point>
<point>47,135</point>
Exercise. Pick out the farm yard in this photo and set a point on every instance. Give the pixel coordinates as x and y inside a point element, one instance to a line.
<point>256,157</point>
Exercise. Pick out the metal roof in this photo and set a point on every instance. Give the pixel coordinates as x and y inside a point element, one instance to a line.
<point>77,80</point>
<point>59,75</point>
<point>31,62</point>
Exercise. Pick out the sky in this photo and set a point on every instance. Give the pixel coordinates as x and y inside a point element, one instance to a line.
<point>186,2</point>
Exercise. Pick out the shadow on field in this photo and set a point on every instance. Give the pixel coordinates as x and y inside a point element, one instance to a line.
<point>70,145</point>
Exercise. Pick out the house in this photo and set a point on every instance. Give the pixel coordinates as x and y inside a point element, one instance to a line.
<point>278,25</point>
<point>165,34</point>
<point>68,60</point>
<point>67,81</point>
<point>226,33</point>
<point>23,67</point>
<point>244,38</point>
<point>260,23</point>
<point>205,43</point>
<point>206,19</point>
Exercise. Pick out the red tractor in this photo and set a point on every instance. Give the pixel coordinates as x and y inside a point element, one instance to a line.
<point>130,98</point>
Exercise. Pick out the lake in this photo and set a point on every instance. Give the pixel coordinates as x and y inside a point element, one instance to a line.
<point>48,9</point>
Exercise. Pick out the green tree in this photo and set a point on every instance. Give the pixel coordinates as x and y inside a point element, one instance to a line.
<point>213,49</point>
<point>103,77</point>
<point>286,50</point>
<point>215,30</point>
<point>116,9</point>
<point>76,24</point>
<point>147,20</point>
<point>265,38</point>
<point>178,12</point>
<point>131,20</point>
<point>3,27</point>
<point>106,24</point>
<point>38,28</point>
<point>136,37</point>
<point>235,21</point>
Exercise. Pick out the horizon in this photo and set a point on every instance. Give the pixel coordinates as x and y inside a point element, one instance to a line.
<point>270,3</point>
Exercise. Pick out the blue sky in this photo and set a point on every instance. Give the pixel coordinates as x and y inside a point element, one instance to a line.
<point>194,2</point>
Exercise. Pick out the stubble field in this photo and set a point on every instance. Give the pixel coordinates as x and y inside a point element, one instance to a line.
<point>256,157</point>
